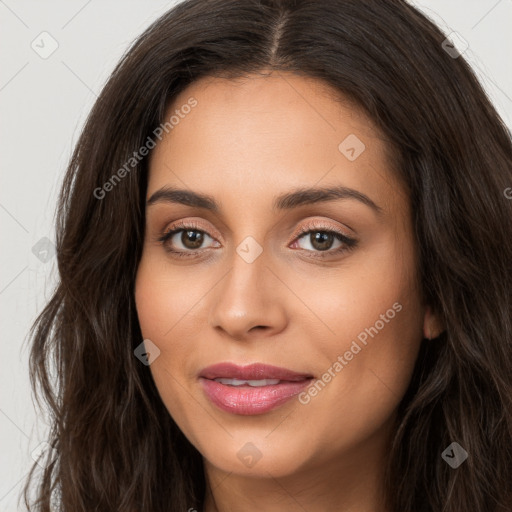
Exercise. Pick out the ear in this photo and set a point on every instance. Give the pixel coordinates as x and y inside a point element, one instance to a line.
<point>432,326</point>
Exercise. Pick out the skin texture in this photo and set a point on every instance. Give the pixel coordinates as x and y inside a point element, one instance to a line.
<point>247,141</point>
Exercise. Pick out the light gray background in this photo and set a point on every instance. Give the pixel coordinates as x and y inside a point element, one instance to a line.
<point>43,104</point>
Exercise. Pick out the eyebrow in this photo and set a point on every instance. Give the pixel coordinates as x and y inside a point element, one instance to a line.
<point>286,201</point>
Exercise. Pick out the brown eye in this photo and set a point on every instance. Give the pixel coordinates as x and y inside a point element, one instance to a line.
<point>321,240</point>
<point>192,239</point>
<point>186,240</point>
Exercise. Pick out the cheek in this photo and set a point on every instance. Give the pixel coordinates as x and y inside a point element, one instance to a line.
<point>167,310</point>
<point>375,298</point>
<point>374,315</point>
<point>158,310</point>
<point>377,320</point>
<point>163,296</point>
<point>146,298</point>
<point>160,307</point>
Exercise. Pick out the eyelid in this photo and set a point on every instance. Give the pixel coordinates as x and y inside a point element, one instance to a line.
<point>311,225</point>
<point>318,225</point>
<point>194,224</point>
<point>191,225</point>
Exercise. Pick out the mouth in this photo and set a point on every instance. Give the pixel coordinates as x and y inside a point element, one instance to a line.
<point>253,383</point>
<point>252,389</point>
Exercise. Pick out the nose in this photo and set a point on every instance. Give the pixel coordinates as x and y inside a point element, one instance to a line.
<point>249,302</point>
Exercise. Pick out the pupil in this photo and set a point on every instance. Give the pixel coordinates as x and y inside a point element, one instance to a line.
<point>321,240</point>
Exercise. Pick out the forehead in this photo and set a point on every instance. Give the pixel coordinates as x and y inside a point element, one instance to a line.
<point>249,135</point>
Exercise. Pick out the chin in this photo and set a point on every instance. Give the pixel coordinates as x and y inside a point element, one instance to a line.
<point>257,456</point>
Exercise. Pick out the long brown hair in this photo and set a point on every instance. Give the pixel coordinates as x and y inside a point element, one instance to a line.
<point>115,445</point>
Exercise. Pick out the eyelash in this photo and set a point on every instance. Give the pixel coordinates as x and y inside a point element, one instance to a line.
<point>348,243</point>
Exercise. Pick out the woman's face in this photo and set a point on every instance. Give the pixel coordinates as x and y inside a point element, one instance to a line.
<point>338,306</point>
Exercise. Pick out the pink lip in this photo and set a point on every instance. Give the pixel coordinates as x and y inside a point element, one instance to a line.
<point>250,400</point>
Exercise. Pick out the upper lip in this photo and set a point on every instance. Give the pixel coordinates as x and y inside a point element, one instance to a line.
<point>255,371</point>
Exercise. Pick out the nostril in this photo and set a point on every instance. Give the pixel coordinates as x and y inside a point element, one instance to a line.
<point>258,327</point>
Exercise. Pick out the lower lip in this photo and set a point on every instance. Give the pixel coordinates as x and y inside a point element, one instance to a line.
<point>249,400</point>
